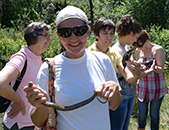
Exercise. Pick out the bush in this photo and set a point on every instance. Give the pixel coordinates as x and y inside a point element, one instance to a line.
<point>149,12</point>
<point>12,40</point>
<point>161,37</point>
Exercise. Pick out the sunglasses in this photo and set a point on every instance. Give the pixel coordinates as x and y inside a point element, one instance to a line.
<point>45,35</point>
<point>136,44</point>
<point>66,32</point>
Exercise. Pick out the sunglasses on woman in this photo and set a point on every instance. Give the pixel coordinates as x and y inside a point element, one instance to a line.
<point>66,32</point>
<point>136,44</point>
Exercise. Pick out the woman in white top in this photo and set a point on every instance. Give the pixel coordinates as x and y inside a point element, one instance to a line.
<point>78,74</point>
<point>128,31</point>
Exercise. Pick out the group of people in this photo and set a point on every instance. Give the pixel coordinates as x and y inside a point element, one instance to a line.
<point>81,71</point>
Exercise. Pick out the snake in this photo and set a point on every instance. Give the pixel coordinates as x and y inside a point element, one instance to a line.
<point>71,107</point>
<point>126,57</point>
<point>148,63</point>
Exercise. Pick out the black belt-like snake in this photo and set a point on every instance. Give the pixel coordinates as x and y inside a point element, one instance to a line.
<point>71,107</point>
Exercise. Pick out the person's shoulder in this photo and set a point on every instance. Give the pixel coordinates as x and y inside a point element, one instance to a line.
<point>92,47</point>
<point>114,52</point>
<point>118,49</point>
<point>158,49</point>
<point>157,46</point>
<point>98,56</point>
<point>58,57</point>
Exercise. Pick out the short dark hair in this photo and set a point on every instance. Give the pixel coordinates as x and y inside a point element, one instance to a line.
<point>30,34</point>
<point>126,25</point>
<point>102,24</point>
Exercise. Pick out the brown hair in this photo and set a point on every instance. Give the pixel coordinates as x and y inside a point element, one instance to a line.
<point>103,23</point>
<point>30,34</point>
<point>143,36</point>
<point>126,25</point>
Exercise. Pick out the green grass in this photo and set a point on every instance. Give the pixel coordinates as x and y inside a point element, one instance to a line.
<point>164,114</point>
<point>1,122</point>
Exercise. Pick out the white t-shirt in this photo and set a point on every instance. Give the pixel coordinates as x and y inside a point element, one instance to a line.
<point>75,81</point>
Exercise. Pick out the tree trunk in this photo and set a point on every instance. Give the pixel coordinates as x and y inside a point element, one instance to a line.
<point>40,7</point>
<point>1,11</point>
<point>91,13</point>
<point>65,3</point>
<point>165,11</point>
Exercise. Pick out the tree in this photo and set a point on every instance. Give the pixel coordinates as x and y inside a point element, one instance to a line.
<point>1,11</point>
<point>91,12</point>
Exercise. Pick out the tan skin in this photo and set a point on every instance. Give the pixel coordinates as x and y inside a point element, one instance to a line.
<point>130,38</point>
<point>105,38</point>
<point>127,40</point>
<point>8,73</point>
<point>158,54</point>
<point>75,48</point>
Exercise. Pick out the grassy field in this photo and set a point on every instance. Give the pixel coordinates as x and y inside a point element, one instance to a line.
<point>164,114</point>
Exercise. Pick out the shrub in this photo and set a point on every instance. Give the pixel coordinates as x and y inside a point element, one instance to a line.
<point>161,37</point>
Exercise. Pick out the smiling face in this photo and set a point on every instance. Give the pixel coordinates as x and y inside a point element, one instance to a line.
<point>43,41</point>
<point>74,45</point>
<point>105,38</point>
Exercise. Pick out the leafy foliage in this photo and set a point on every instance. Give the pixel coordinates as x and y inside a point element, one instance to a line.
<point>18,13</point>
<point>152,14</point>
<point>161,37</point>
<point>149,12</point>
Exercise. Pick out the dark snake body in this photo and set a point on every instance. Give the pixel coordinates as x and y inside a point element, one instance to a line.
<point>126,57</point>
<point>67,108</point>
<point>71,107</point>
<point>148,63</point>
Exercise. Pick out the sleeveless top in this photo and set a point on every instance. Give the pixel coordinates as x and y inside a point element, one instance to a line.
<point>151,87</point>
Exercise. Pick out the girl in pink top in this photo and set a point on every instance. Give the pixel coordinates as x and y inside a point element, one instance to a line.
<point>17,115</point>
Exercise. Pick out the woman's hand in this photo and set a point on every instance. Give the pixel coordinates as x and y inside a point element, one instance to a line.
<point>16,108</point>
<point>35,95</point>
<point>134,67</point>
<point>110,91</point>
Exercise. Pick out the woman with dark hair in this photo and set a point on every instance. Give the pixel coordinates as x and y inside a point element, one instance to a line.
<point>17,115</point>
<point>152,88</point>
<point>128,31</point>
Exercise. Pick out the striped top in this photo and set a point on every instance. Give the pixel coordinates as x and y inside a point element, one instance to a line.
<point>151,87</point>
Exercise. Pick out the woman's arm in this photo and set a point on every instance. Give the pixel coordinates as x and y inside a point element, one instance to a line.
<point>132,71</point>
<point>160,59</point>
<point>7,74</point>
<point>36,96</point>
